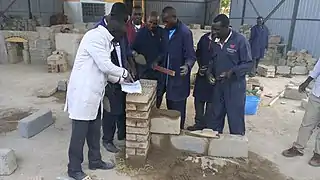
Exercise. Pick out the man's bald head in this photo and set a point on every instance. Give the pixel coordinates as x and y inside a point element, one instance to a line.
<point>169,17</point>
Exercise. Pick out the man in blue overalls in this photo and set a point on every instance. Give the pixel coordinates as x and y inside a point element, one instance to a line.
<point>259,43</point>
<point>230,63</point>
<point>203,90</point>
<point>149,43</point>
<point>180,57</point>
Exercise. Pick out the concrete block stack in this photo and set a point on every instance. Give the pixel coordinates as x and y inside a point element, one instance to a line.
<point>275,53</point>
<point>57,62</point>
<point>301,62</point>
<point>138,110</point>
<point>245,30</point>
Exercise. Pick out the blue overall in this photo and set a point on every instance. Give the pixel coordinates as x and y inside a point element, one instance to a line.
<point>229,95</point>
<point>117,98</point>
<point>259,43</point>
<point>179,51</point>
<point>203,90</point>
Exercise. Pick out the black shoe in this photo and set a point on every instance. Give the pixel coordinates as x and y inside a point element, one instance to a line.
<point>292,152</point>
<point>315,160</point>
<point>78,175</point>
<point>111,147</point>
<point>101,165</point>
<point>194,128</point>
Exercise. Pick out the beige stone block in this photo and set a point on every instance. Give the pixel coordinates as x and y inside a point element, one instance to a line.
<point>142,138</point>
<point>131,107</point>
<point>165,122</point>
<point>136,130</point>
<point>131,137</point>
<point>143,123</point>
<point>144,97</point>
<point>131,122</point>
<point>138,114</point>
<point>135,144</point>
<point>142,152</point>
<point>130,151</point>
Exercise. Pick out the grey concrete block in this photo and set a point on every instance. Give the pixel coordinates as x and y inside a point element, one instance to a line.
<point>35,123</point>
<point>283,70</point>
<point>299,70</point>
<point>229,146</point>
<point>62,85</point>
<point>165,122</point>
<point>190,143</point>
<point>8,162</point>
<point>43,44</point>
<point>292,92</point>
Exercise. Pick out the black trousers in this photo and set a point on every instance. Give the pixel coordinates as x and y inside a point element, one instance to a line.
<point>201,107</point>
<point>255,65</point>
<point>110,123</point>
<point>84,131</point>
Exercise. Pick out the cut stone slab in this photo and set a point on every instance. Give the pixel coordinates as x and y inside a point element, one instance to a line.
<point>206,133</point>
<point>8,162</point>
<point>165,121</point>
<point>299,70</point>
<point>160,140</point>
<point>292,92</point>
<point>35,123</point>
<point>62,85</point>
<point>144,97</point>
<point>46,92</point>
<point>304,103</point>
<point>190,143</point>
<point>229,146</point>
<point>283,70</point>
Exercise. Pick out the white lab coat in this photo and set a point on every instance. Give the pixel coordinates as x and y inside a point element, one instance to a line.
<point>89,74</point>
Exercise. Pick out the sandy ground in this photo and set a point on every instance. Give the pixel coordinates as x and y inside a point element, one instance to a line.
<point>271,131</point>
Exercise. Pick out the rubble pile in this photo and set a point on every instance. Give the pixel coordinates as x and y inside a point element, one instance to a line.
<point>15,23</point>
<point>57,62</point>
<point>300,60</point>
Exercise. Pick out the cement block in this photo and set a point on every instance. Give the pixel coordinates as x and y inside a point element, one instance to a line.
<point>43,44</point>
<point>165,122</point>
<point>229,146</point>
<point>292,92</point>
<point>8,162</point>
<point>160,140</point>
<point>190,143</point>
<point>299,70</point>
<point>304,103</point>
<point>35,123</point>
<point>62,85</point>
<point>283,70</point>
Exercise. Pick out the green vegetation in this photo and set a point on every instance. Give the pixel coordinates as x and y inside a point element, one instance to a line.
<point>225,6</point>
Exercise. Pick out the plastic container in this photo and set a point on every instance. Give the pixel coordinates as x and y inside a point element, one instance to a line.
<point>252,104</point>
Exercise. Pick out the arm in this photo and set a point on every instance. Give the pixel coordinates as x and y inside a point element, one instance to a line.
<point>245,59</point>
<point>316,71</point>
<point>102,57</point>
<point>198,52</point>
<point>252,35</point>
<point>188,49</point>
<point>114,79</point>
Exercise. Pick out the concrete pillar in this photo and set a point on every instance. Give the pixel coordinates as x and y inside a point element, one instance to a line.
<point>26,53</point>
<point>12,53</point>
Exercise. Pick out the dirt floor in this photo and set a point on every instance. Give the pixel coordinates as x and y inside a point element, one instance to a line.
<point>9,119</point>
<point>269,132</point>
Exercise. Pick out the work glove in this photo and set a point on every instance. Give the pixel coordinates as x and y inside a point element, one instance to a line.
<point>211,78</point>
<point>202,70</point>
<point>225,75</point>
<point>184,70</point>
<point>303,86</point>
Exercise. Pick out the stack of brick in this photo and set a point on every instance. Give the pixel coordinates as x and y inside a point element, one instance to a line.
<point>300,63</point>
<point>245,30</point>
<point>266,71</point>
<point>57,62</point>
<point>275,52</point>
<point>138,110</point>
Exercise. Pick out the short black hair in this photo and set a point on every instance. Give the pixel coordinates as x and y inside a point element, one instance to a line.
<point>154,14</point>
<point>120,9</point>
<point>169,10</point>
<point>260,17</point>
<point>223,19</point>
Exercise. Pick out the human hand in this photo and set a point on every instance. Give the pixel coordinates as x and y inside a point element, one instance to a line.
<point>303,86</point>
<point>225,75</point>
<point>128,77</point>
<point>184,70</point>
<point>202,70</point>
<point>211,78</point>
<point>134,53</point>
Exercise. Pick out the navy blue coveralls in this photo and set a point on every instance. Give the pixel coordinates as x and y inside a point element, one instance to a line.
<point>259,37</point>
<point>229,95</point>
<point>203,90</point>
<point>179,51</point>
<point>117,98</point>
<point>151,46</point>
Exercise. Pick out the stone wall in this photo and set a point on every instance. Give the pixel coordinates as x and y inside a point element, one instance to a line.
<point>138,110</point>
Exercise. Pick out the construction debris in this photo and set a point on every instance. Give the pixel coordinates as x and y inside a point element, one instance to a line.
<point>57,62</point>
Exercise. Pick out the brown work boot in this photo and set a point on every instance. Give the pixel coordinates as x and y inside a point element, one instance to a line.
<point>292,152</point>
<point>315,160</point>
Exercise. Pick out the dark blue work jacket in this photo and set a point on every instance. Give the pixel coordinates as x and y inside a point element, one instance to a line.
<point>235,55</point>
<point>258,41</point>
<point>203,90</point>
<point>151,46</point>
<point>179,51</point>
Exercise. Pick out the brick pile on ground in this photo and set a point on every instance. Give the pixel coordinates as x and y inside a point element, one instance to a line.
<point>138,110</point>
<point>300,63</point>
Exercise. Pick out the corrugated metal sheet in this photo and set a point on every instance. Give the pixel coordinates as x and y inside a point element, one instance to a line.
<point>307,25</point>
<point>40,8</point>
<point>189,11</point>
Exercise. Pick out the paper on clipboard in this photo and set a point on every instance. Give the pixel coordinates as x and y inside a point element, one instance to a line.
<point>132,87</point>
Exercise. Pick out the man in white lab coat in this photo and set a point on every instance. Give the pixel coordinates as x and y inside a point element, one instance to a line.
<point>86,89</point>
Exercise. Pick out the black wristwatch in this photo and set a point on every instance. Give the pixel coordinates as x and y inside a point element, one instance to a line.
<point>124,75</point>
